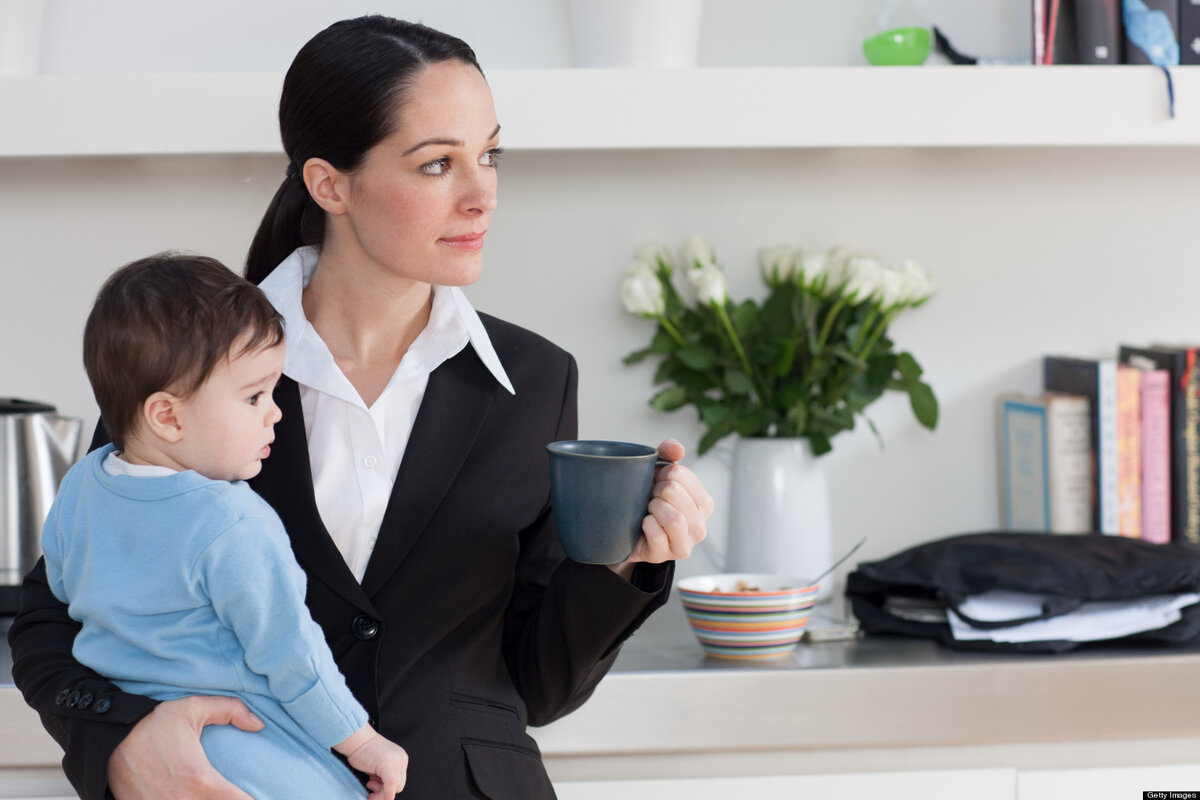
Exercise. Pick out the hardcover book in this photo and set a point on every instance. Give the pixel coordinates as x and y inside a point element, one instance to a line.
<point>1047,463</point>
<point>1025,466</point>
<point>1156,456</point>
<point>1185,395</point>
<point>1129,451</point>
<point>1095,379</point>
<point>1175,362</point>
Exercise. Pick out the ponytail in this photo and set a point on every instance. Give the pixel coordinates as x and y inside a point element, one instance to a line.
<point>340,98</point>
<point>292,220</point>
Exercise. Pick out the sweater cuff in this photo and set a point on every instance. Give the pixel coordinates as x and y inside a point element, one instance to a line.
<point>325,719</point>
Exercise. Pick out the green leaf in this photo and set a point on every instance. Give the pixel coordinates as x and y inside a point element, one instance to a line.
<point>749,424</point>
<point>908,367</point>
<point>637,356</point>
<point>713,435</point>
<point>696,356</point>
<point>783,365</point>
<point>820,444</point>
<point>738,382</point>
<point>662,343</point>
<point>715,415</point>
<point>744,317</point>
<point>843,352</point>
<point>924,404</point>
<point>669,399</point>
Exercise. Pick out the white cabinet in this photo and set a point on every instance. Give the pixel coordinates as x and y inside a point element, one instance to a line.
<point>976,784</point>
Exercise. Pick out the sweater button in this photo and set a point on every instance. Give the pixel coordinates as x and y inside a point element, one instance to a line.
<point>364,627</point>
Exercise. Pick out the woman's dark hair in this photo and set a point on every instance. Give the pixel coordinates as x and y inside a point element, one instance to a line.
<point>339,100</point>
<point>163,323</point>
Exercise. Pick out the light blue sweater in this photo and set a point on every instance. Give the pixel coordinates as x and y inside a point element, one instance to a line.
<point>186,585</point>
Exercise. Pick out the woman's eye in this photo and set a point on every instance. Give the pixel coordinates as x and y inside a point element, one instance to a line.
<point>492,157</point>
<point>254,398</point>
<point>439,166</point>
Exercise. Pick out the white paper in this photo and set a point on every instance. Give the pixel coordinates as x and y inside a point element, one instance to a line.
<point>1092,621</point>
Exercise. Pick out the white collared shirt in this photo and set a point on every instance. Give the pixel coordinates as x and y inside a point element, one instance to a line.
<point>354,450</point>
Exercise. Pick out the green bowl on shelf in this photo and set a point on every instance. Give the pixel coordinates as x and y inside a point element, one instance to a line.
<point>900,47</point>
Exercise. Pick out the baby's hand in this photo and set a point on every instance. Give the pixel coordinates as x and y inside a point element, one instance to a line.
<point>383,760</point>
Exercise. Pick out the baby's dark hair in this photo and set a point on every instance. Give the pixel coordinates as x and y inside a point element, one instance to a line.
<point>163,323</point>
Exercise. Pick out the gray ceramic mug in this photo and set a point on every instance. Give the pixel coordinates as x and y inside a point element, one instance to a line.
<point>599,492</point>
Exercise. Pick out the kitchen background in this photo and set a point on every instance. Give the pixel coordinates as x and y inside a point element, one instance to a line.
<point>1037,249</point>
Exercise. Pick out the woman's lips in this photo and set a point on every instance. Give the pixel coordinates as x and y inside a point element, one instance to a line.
<point>470,241</point>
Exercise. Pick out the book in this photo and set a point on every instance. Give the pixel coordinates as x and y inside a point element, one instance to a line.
<point>1061,36</point>
<point>1129,451</point>
<point>1025,468</point>
<point>1189,31</point>
<point>1046,463</point>
<point>1039,31</point>
<point>1175,362</point>
<point>1095,379</point>
<point>1186,438</point>
<point>1156,456</point>
<point>1099,33</point>
<point>1169,8</point>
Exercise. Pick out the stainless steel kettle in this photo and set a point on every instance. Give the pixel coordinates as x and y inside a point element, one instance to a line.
<point>37,447</point>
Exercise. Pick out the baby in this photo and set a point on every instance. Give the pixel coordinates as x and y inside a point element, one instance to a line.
<point>182,577</point>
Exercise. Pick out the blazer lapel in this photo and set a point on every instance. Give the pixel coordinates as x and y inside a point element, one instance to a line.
<point>452,411</point>
<point>286,483</point>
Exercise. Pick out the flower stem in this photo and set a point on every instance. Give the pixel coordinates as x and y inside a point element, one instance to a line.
<point>733,339</point>
<point>672,330</point>
<point>833,312</point>
<point>862,332</point>
<point>879,330</point>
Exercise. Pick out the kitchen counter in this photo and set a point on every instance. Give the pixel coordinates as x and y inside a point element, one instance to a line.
<point>872,704</point>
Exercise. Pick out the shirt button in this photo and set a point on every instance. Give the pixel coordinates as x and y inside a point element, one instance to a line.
<point>364,627</point>
<point>102,705</point>
<point>370,461</point>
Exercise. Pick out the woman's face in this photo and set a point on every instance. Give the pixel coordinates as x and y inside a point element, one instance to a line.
<point>421,203</point>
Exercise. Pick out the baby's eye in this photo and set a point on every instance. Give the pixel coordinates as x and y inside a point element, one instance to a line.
<point>492,157</point>
<point>439,166</point>
<point>254,398</point>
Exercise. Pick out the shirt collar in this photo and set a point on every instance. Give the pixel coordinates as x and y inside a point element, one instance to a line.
<point>307,359</point>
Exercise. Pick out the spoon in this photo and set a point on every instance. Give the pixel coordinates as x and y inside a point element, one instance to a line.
<point>839,562</point>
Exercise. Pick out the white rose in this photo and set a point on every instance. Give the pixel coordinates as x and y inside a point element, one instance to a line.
<point>655,253</point>
<point>918,283</point>
<point>696,252</point>
<point>641,291</point>
<point>710,285</point>
<point>864,275</point>
<point>837,261</point>
<point>777,264</point>
<point>893,288</point>
<point>810,265</point>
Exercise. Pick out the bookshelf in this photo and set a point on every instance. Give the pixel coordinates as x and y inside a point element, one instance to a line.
<point>614,109</point>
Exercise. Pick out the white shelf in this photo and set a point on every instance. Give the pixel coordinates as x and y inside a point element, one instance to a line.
<point>572,109</point>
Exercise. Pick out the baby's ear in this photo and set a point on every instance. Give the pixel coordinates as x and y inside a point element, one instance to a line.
<point>161,417</point>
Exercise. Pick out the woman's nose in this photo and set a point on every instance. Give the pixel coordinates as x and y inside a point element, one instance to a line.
<point>479,196</point>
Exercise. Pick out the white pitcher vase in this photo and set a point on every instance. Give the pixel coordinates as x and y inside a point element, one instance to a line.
<point>779,517</point>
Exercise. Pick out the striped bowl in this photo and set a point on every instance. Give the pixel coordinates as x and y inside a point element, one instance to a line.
<point>747,615</point>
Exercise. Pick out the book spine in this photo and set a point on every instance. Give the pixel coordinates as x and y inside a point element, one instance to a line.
<point>1098,31</point>
<point>1189,31</point>
<point>1156,456</point>
<point>1129,452</point>
<point>1039,31</point>
<point>1191,437</point>
<point>1106,436</point>
<point>1069,430</point>
<point>1026,471</point>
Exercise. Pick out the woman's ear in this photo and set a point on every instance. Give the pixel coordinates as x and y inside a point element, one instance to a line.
<point>327,185</point>
<point>161,417</point>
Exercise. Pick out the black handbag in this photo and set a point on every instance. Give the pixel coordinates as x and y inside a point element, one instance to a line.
<point>903,594</point>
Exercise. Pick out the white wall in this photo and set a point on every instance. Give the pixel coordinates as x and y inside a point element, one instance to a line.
<point>1037,250</point>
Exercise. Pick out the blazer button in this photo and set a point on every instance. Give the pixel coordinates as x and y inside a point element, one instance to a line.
<point>73,700</point>
<point>102,705</point>
<point>61,697</point>
<point>85,700</point>
<point>364,627</point>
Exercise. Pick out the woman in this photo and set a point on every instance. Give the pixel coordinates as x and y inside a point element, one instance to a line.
<point>409,467</point>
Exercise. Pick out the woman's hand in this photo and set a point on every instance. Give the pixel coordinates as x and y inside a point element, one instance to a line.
<point>162,756</point>
<point>679,510</point>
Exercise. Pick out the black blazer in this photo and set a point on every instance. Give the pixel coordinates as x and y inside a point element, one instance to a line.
<point>469,623</point>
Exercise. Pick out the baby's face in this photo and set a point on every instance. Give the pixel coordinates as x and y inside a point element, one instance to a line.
<point>229,423</point>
